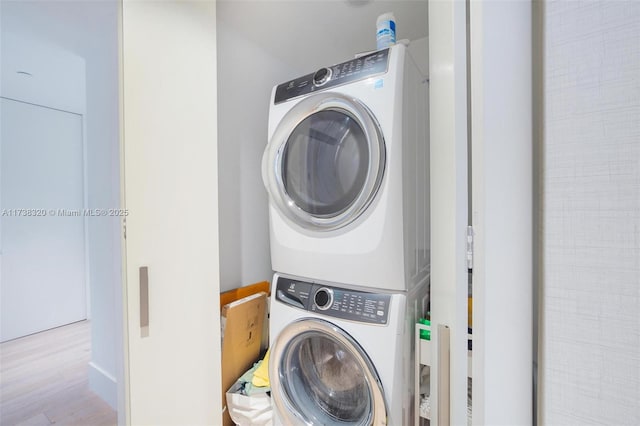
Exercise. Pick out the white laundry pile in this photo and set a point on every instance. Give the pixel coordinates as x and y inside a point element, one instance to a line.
<point>249,404</point>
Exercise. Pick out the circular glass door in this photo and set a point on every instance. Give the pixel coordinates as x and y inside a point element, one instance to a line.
<point>320,375</point>
<point>325,162</point>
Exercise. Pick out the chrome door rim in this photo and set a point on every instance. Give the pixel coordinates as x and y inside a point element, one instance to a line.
<point>285,408</point>
<point>274,153</point>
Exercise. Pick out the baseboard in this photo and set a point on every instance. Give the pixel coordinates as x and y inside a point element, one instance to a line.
<point>104,385</point>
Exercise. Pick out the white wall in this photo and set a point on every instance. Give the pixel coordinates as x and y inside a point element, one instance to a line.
<point>57,77</point>
<point>87,31</point>
<point>103,165</point>
<point>261,44</point>
<point>39,72</point>
<point>316,33</point>
<point>244,89</point>
<point>590,332</point>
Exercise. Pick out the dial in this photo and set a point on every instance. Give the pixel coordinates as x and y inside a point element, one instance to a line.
<point>323,298</point>
<point>321,76</point>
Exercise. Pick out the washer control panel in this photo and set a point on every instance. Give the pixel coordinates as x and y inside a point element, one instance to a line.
<point>336,302</point>
<point>336,75</point>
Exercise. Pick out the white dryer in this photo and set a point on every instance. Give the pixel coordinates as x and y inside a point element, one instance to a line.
<point>347,172</point>
<point>342,356</point>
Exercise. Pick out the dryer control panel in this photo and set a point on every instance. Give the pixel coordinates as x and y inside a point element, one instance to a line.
<point>332,301</point>
<point>336,75</point>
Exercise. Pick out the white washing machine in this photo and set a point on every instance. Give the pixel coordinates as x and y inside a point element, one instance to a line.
<point>342,356</point>
<point>347,172</point>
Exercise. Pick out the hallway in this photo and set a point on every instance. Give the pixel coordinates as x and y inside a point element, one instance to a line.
<point>44,380</point>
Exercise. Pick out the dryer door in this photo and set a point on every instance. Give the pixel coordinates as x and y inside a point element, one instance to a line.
<point>321,376</point>
<point>325,162</point>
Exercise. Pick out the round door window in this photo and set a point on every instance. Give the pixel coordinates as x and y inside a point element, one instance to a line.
<point>325,162</point>
<point>324,378</point>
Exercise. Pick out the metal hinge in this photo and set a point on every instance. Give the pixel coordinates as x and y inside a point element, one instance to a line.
<point>469,247</point>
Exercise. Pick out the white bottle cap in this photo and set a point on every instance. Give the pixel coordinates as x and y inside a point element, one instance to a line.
<point>385,17</point>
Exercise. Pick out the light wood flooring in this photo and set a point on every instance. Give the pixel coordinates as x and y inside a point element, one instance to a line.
<point>44,380</point>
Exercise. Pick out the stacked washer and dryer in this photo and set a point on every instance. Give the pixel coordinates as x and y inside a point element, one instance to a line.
<point>347,172</point>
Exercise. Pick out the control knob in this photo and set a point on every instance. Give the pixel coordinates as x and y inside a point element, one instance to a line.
<point>324,298</point>
<point>321,76</point>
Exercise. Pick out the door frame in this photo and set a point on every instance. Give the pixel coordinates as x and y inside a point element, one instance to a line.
<point>481,175</point>
<point>502,200</point>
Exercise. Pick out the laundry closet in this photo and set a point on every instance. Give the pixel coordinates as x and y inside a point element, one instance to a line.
<point>346,169</point>
<point>258,47</point>
<point>262,44</point>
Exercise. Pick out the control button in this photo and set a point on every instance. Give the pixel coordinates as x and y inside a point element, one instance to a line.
<point>321,76</point>
<point>380,313</point>
<point>324,298</point>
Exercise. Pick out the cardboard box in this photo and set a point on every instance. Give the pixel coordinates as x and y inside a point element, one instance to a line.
<point>242,322</point>
<point>240,292</point>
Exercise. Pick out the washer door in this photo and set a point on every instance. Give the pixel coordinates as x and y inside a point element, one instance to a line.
<point>325,161</point>
<point>320,376</point>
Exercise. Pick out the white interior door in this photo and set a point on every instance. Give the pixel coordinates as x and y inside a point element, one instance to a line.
<point>502,183</point>
<point>170,191</point>
<point>42,275</point>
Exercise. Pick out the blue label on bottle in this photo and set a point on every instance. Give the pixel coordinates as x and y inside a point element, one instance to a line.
<point>386,34</point>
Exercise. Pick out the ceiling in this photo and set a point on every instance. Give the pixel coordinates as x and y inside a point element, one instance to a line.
<point>318,33</point>
<point>306,34</point>
<point>77,26</point>
<point>60,44</point>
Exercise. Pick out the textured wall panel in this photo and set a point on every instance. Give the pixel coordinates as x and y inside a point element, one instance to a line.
<point>591,214</point>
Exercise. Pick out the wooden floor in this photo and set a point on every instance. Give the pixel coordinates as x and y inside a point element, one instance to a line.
<point>44,380</point>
